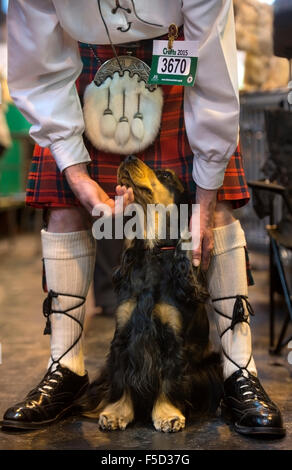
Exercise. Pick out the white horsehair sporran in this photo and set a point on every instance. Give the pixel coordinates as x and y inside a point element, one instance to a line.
<point>122,112</point>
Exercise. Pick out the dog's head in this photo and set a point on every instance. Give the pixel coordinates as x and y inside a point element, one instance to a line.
<point>159,193</point>
<point>149,186</point>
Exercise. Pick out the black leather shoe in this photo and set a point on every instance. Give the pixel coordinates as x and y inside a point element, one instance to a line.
<point>249,408</point>
<point>49,401</point>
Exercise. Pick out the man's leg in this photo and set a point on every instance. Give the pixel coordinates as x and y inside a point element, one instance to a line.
<point>69,255</point>
<point>248,405</point>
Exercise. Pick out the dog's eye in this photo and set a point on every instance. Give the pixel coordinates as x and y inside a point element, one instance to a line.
<point>146,190</point>
<point>166,175</point>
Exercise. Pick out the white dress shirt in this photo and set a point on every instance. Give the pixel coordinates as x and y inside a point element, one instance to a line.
<point>44,63</point>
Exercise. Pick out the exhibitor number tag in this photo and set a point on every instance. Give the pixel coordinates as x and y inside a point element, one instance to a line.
<point>175,66</point>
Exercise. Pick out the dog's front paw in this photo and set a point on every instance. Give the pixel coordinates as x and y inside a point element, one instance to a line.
<point>166,417</point>
<point>117,415</point>
<point>169,424</point>
<point>110,422</point>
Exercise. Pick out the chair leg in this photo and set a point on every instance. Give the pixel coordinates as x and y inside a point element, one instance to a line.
<point>272,301</point>
<point>280,268</point>
<point>280,344</point>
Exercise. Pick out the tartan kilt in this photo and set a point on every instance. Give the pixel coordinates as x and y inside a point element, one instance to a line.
<point>47,187</point>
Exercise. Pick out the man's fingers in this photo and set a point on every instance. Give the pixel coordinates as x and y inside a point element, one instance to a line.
<point>128,196</point>
<point>206,260</point>
<point>207,248</point>
<point>122,191</point>
<point>99,208</point>
<point>131,195</point>
<point>118,190</point>
<point>119,208</point>
<point>111,203</point>
<point>196,260</point>
<point>197,254</point>
<point>125,200</point>
<point>201,254</point>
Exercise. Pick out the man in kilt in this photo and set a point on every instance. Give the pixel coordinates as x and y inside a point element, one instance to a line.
<point>55,49</point>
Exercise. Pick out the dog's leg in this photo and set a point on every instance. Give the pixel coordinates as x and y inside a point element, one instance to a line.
<point>124,312</point>
<point>166,417</point>
<point>169,315</point>
<point>117,415</point>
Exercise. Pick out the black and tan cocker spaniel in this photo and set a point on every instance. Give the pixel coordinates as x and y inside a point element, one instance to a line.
<point>160,365</point>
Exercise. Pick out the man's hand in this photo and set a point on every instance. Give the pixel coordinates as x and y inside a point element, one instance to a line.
<point>89,192</point>
<point>202,253</point>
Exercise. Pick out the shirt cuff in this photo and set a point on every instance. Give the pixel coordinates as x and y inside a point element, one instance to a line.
<point>69,152</point>
<point>208,175</point>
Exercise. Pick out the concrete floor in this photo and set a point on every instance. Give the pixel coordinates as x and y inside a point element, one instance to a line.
<point>25,355</point>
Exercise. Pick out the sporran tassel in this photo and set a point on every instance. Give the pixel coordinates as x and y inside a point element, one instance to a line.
<point>137,127</point>
<point>108,123</point>
<point>122,134</point>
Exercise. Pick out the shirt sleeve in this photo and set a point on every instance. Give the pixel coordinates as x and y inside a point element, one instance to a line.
<point>43,64</point>
<point>211,107</point>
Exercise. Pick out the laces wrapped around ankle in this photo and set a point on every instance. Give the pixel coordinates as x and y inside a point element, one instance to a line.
<point>48,311</point>
<point>238,316</point>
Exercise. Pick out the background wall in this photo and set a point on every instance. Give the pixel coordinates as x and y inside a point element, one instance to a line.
<point>254,35</point>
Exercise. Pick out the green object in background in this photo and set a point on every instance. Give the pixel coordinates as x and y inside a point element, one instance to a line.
<point>16,121</point>
<point>12,178</point>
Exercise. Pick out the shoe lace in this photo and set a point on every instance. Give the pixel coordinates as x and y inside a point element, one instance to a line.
<point>46,386</point>
<point>238,316</point>
<point>251,389</point>
<point>49,382</point>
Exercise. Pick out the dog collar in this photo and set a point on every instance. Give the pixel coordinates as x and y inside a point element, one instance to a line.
<point>158,249</point>
<point>163,249</point>
<point>166,247</point>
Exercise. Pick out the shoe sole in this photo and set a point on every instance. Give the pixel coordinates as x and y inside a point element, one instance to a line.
<point>259,432</point>
<point>11,424</point>
<point>265,432</point>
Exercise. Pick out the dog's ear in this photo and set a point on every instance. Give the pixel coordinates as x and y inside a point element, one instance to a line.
<point>190,284</point>
<point>122,273</point>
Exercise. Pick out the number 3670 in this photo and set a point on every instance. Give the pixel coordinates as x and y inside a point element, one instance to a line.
<point>174,65</point>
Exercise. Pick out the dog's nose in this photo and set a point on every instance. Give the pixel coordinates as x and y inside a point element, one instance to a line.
<point>130,158</point>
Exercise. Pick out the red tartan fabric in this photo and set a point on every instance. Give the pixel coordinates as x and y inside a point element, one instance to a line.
<point>47,187</point>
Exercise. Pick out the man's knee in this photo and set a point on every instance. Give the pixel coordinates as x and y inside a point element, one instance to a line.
<point>73,219</point>
<point>223,214</point>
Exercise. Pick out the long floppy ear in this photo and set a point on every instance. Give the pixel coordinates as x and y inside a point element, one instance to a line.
<point>189,281</point>
<point>122,273</point>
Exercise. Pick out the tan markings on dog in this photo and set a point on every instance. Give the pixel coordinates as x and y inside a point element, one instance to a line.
<point>161,194</point>
<point>178,182</point>
<point>158,222</point>
<point>166,417</point>
<point>152,227</point>
<point>128,243</point>
<point>117,415</point>
<point>168,314</point>
<point>124,312</point>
